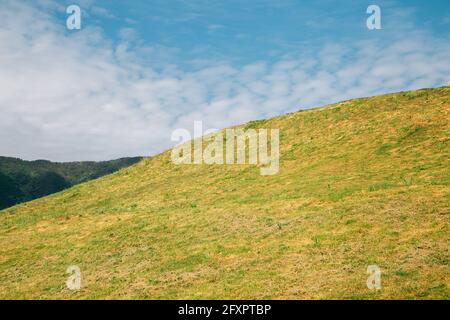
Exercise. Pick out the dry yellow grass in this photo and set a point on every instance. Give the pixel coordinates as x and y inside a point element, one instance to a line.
<point>361,182</point>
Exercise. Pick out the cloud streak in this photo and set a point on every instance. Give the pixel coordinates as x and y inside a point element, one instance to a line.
<point>78,96</point>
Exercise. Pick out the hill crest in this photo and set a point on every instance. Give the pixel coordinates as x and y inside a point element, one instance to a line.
<point>362,182</point>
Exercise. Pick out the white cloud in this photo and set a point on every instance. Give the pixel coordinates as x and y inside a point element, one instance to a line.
<point>102,12</point>
<point>76,96</point>
<point>127,34</point>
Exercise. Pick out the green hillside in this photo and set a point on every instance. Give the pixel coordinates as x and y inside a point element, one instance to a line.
<point>22,180</point>
<point>361,182</point>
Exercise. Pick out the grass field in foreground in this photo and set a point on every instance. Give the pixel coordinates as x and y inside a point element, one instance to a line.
<point>361,182</point>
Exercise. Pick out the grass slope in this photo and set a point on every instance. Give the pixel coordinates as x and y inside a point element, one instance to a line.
<point>361,182</point>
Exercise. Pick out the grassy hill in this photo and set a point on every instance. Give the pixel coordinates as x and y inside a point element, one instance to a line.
<point>22,181</point>
<point>361,182</point>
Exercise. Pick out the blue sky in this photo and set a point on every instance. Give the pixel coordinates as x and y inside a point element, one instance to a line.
<point>246,31</point>
<point>138,70</point>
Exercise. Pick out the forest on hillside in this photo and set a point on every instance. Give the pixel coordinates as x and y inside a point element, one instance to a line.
<point>22,180</point>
